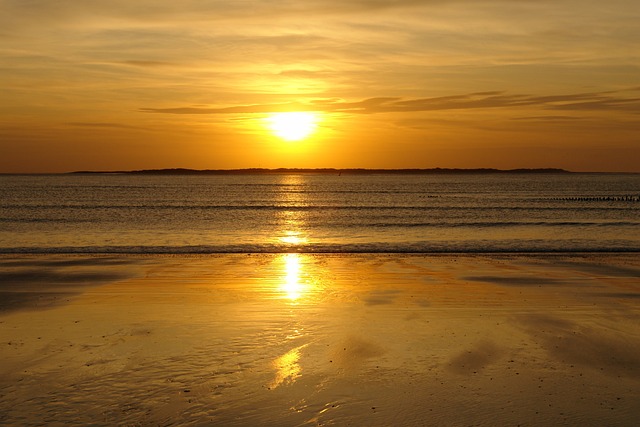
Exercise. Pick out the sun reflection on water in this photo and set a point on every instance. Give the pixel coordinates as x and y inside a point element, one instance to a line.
<point>292,237</point>
<point>292,217</point>
<point>292,285</point>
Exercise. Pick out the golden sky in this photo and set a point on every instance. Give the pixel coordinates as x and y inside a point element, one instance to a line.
<point>138,84</point>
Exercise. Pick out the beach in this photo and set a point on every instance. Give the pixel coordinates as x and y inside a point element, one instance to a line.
<point>326,213</point>
<point>304,339</point>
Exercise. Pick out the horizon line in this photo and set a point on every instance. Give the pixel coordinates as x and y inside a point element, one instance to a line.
<point>323,171</point>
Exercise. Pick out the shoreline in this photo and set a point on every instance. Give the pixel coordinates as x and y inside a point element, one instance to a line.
<point>292,339</point>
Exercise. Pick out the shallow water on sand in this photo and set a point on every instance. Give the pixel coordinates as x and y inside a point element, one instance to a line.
<point>296,339</point>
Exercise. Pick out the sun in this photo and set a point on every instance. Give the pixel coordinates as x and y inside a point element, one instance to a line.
<point>292,126</point>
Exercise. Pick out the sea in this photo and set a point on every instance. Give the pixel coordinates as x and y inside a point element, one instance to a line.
<point>319,213</point>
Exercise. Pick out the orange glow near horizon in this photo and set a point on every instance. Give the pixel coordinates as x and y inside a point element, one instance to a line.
<point>108,86</point>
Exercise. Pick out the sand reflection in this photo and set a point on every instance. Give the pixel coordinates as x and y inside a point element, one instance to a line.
<point>370,340</point>
<point>287,367</point>
<point>292,286</point>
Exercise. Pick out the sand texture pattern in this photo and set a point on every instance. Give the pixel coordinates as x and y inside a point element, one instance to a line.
<point>292,339</point>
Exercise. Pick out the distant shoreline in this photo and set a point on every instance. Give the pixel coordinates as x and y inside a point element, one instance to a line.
<point>328,171</point>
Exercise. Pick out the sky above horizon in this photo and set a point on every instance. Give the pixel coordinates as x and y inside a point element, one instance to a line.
<point>117,85</point>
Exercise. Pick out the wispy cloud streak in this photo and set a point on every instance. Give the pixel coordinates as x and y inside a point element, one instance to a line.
<point>602,101</point>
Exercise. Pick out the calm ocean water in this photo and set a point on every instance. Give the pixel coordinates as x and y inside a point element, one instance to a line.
<point>319,213</point>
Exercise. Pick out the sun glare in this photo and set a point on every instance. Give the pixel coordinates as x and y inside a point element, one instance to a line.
<point>292,286</point>
<point>292,126</point>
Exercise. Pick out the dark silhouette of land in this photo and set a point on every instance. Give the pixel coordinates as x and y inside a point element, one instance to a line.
<point>327,171</point>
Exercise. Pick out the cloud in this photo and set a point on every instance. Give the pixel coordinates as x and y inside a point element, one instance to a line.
<point>256,45</point>
<point>71,13</point>
<point>548,118</point>
<point>630,105</point>
<point>104,125</point>
<point>603,101</point>
<point>159,10</point>
<point>145,64</point>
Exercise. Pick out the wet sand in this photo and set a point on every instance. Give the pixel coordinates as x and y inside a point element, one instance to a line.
<point>320,340</point>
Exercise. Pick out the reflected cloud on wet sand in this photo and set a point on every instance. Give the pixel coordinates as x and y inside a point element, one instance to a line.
<point>287,368</point>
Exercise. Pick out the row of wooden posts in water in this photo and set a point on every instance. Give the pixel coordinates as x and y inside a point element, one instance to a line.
<point>631,198</point>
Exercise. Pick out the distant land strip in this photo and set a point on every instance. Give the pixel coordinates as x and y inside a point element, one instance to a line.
<point>327,171</point>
